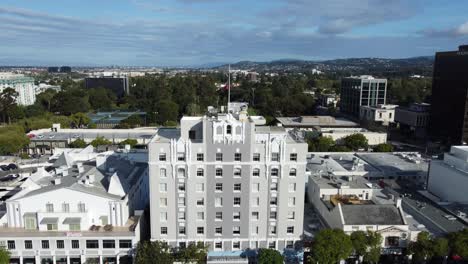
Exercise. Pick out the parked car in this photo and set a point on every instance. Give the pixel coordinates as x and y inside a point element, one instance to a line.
<point>12,166</point>
<point>4,167</point>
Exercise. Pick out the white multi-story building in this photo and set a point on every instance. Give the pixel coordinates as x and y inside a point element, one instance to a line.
<point>228,182</point>
<point>448,178</point>
<point>86,206</point>
<point>23,85</point>
<point>384,114</point>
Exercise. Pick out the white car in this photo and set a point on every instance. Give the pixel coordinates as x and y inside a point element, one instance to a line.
<point>40,136</point>
<point>51,136</point>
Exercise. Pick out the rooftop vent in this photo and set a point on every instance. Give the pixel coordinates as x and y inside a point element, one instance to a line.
<point>57,181</point>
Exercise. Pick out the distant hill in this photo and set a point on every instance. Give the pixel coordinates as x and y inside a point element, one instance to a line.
<point>415,65</point>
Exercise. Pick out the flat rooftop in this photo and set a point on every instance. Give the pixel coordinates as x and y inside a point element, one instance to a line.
<point>371,214</point>
<point>396,164</point>
<point>316,121</point>
<point>110,134</point>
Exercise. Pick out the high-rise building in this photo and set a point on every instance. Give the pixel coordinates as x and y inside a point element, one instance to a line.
<point>449,109</point>
<point>227,181</point>
<point>119,85</point>
<point>361,91</point>
<point>23,85</point>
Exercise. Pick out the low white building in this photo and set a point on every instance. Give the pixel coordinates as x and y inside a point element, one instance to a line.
<point>383,114</point>
<point>86,206</point>
<point>448,178</point>
<point>23,85</point>
<point>373,138</point>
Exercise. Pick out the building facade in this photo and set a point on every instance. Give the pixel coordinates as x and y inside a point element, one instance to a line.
<point>119,85</point>
<point>361,91</point>
<point>449,108</point>
<point>23,85</point>
<point>414,119</point>
<point>224,180</point>
<point>383,114</point>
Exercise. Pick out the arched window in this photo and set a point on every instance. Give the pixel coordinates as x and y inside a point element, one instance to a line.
<point>181,173</point>
<point>200,172</point>
<point>229,130</point>
<point>274,172</point>
<point>292,172</point>
<point>237,172</point>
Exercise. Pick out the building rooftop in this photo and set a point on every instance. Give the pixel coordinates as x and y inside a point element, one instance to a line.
<point>316,121</point>
<point>110,134</point>
<point>396,164</point>
<point>371,214</point>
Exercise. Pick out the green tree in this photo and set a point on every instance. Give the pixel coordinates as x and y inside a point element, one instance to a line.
<point>129,141</point>
<point>355,141</point>
<point>421,249</point>
<point>331,246</point>
<point>12,140</point>
<point>359,241</point>
<point>167,111</point>
<point>44,99</point>
<point>148,252</point>
<point>440,247</point>
<point>70,101</point>
<point>4,255</point>
<point>384,147</point>
<point>320,144</point>
<point>269,256</point>
<point>78,143</point>
<point>374,247</point>
<point>7,103</point>
<point>131,122</point>
<point>101,98</point>
<point>458,242</point>
<point>195,252</point>
<point>100,141</point>
<point>80,119</point>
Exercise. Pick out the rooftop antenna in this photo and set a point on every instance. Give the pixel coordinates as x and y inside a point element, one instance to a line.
<point>229,87</point>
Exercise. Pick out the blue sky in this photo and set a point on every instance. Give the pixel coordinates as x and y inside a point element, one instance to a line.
<point>195,32</point>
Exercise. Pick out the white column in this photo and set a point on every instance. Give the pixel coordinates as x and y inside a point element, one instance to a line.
<point>54,259</point>
<point>68,259</point>
<point>21,259</point>
<point>118,259</point>
<point>100,259</point>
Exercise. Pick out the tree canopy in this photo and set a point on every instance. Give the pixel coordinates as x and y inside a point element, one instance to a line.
<point>331,246</point>
<point>355,141</point>
<point>269,256</point>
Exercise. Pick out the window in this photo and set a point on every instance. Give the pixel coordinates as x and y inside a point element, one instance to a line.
<point>236,245</point>
<point>274,172</point>
<point>30,223</point>
<point>291,201</point>
<point>219,172</point>
<point>292,187</point>
<point>275,156</point>
<point>237,201</point>
<point>11,244</point>
<point>45,244</point>
<point>49,208</point>
<point>237,172</point>
<point>200,157</point>
<point>219,245</point>
<point>192,134</point>
<point>273,230</point>
<point>200,216</point>
<point>255,230</point>
<point>273,201</point>
<point>181,230</point>
<point>65,207</point>
<point>163,187</point>
<point>219,187</point>
<point>200,230</point>
<point>272,244</point>
<point>218,201</point>
<point>181,156</point>
<point>181,201</point>
<point>60,244</point>
<point>74,227</point>
<point>237,156</point>
<point>255,187</point>
<point>292,173</point>
<point>273,215</point>
<point>255,215</point>
<point>200,187</point>
<point>181,216</point>
<point>162,173</point>
<point>290,230</point>
<point>52,227</point>
<point>218,230</point>
<point>108,243</point>
<point>200,201</point>
<point>256,201</point>
<point>236,216</point>
<point>28,244</point>
<point>236,230</point>
<point>219,156</point>
<point>256,157</point>
<point>256,172</point>
<point>181,187</point>
<point>237,187</point>
<point>163,216</point>
<point>289,244</point>
<point>164,230</point>
<point>163,202</point>
<point>181,172</point>
<point>125,243</point>
<point>219,216</point>
<point>200,172</point>
<point>92,244</point>
<point>81,207</point>
<point>291,215</point>
<point>293,157</point>
<point>162,156</point>
<point>229,130</point>
<point>75,243</point>
<point>274,187</point>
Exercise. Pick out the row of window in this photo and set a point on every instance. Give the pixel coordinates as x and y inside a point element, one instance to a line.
<point>219,201</point>
<point>181,216</point>
<point>219,172</point>
<point>237,187</point>
<point>81,207</point>
<point>275,156</point>
<point>45,244</point>
<point>219,230</point>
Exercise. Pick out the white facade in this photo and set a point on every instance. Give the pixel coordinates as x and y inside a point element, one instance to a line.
<point>24,86</point>
<point>87,207</point>
<point>384,114</point>
<point>373,138</point>
<point>448,178</point>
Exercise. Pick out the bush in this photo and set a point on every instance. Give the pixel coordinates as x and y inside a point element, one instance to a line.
<point>100,141</point>
<point>78,143</point>
<point>384,147</point>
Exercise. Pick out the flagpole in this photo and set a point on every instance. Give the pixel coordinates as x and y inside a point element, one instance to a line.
<point>229,86</point>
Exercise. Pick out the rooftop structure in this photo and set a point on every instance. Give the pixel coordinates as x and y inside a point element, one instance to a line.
<point>315,121</point>
<point>85,205</point>
<point>414,119</point>
<point>384,114</point>
<point>338,133</point>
